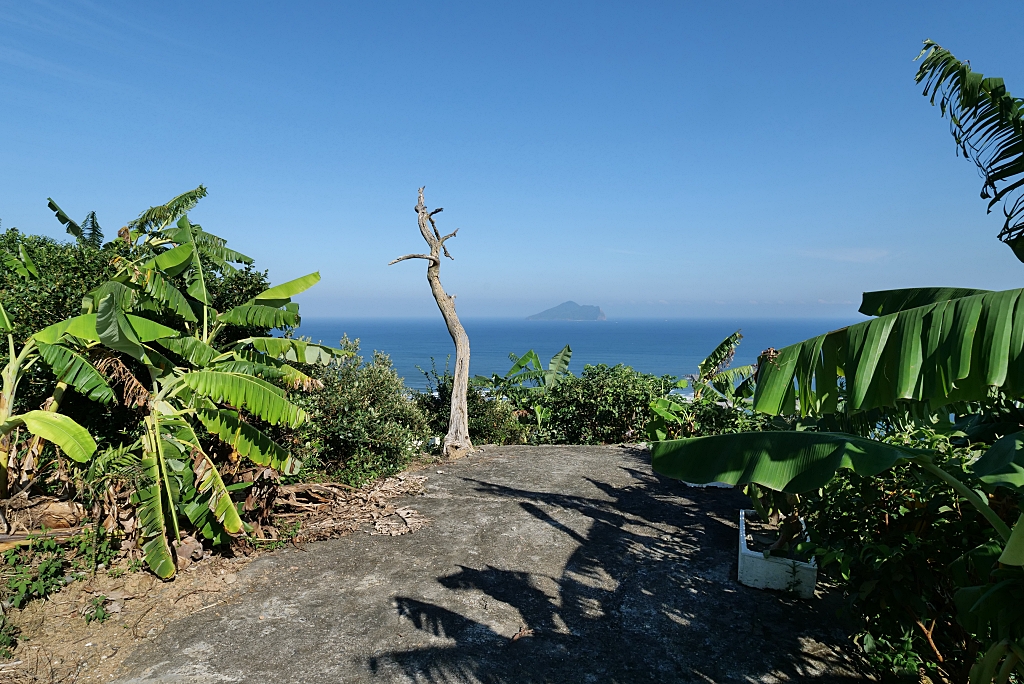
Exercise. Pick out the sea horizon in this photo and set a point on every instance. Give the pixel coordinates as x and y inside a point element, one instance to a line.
<point>659,346</point>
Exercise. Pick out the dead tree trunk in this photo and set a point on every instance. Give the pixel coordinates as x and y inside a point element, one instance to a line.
<point>456,442</point>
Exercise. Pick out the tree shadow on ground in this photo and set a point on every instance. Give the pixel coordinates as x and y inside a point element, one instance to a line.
<point>649,594</point>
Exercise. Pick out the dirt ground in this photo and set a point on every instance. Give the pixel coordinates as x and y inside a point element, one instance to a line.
<point>56,644</point>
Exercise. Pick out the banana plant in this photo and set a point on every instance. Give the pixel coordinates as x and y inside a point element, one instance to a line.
<point>527,380</point>
<point>64,356</point>
<point>196,385</point>
<point>713,380</point>
<point>925,348</point>
<point>528,372</point>
<point>714,375</point>
<point>87,233</point>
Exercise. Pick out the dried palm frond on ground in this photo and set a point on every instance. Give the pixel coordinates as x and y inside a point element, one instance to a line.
<point>325,510</point>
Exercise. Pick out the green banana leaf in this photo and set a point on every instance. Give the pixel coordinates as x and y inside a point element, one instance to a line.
<point>192,349</point>
<point>158,287</point>
<point>719,359</point>
<point>791,462</point>
<point>956,350</point>
<point>257,315</point>
<point>1003,462</point>
<point>208,481</point>
<point>76,371</point>
<point>280,295</point>
<point>71,437</point>
<point>885,302</point>
<point>244,391</point>
<point>298,351</point>
<point>247,440</point>
<point>987,123</point>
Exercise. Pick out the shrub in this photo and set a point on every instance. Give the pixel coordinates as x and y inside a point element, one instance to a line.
<point>603,405</point>
<point>492,418</point>
<point>892,542</point>
<point>363,423</point>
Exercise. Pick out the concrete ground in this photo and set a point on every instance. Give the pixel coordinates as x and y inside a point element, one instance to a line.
<point>539,564</point>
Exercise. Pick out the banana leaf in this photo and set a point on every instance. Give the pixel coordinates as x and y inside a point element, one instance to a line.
<point>948,351</point>
<point>791,462</point>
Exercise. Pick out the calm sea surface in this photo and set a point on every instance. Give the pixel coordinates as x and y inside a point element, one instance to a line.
<point>672,347</point>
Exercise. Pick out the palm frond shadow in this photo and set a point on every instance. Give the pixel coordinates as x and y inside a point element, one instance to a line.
<point>648,594</point>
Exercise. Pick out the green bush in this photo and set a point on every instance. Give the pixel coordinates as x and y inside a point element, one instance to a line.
<point>892,542</point>
<point>492,418</point>
<point>605,404</point>
<point>363,423</point>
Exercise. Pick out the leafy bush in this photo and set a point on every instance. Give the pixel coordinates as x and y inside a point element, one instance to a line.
<point>603,405</point>
<point>492,418</point>
<point>895,543</point>
<point>363,423</point>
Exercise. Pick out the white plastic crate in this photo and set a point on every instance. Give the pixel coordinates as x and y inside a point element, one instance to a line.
<point>773,572</point>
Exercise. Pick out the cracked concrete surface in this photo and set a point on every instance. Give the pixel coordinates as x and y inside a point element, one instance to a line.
<point>540,564</point>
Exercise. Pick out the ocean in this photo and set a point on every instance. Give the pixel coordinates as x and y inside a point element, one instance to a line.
<point>660,347</point>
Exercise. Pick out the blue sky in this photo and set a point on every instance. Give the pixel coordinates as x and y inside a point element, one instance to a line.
<point>676,159</point>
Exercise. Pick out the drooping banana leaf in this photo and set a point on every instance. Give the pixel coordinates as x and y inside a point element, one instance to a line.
<point>298,351</point>
<point>791,462</point>
<point>156,509</point>
<point>244,391</point>
<point>256,315</point>
<point>1003,462</point>
<point>956,350</point>
<point>157,286</point>
<point>75,370</point>
<point>172,261</point>
<point>247,367</point>
<point>292,377</point>
<point>63,431</point>
<point>192,349</point>
<point>208,481</point>
<point>247,440</point>
<point>83,327</point>
<point>885,302</point>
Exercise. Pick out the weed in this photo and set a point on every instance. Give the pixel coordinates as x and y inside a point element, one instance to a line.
<point>8,638</point>
<point>285,534</point>
<point>35,570</point>
<point>95,610</point>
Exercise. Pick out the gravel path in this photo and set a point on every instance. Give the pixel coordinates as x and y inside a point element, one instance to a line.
<point>539,564</point>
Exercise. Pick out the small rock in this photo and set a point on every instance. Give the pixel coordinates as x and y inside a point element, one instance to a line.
<point>440,472</point>
<point>230,578</point>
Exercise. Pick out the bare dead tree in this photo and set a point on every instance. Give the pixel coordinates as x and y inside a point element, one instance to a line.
<point>456,442</point>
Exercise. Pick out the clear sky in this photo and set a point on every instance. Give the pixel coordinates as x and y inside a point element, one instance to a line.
<point>656,159</point>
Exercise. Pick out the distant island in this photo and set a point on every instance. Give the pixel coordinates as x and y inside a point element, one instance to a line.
<point>569,311</point>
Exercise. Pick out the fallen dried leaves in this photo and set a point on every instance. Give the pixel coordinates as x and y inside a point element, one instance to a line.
<point>332,509</point>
